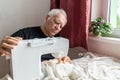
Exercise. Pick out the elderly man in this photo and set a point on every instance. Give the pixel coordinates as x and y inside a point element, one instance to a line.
<point>54,23</point>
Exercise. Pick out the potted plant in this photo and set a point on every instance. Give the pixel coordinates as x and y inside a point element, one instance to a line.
<point>100,27</point>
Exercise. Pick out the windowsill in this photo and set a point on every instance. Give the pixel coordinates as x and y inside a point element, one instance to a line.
<point>115,33</point>
<point>105,39</point>
<point>104,45</point>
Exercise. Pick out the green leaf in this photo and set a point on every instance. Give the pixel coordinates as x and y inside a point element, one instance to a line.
<point>100,27</point>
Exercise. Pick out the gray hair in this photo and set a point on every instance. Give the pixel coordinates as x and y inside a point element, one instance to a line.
<point>56,11</point>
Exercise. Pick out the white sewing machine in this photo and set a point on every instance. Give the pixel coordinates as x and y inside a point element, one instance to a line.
<point>26,57</point>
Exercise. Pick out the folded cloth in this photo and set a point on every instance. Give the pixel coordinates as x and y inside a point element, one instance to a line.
<point>88,67</point>
<point>104,68</point>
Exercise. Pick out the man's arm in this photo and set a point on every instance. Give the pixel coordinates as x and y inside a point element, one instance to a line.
<point>7,44</point>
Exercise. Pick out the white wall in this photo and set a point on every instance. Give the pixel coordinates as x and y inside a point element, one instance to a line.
<point>105,46</point>
<point>16,14</point>
<point>99,9</point>
<point>105,9</point>
<point>96,9</point>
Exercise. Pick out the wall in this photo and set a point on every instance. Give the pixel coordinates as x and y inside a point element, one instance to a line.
<point>99,9</point>
<point>16,14</point>
<point>96,9</point>
<point>105,12</point>
<point>104,46</point>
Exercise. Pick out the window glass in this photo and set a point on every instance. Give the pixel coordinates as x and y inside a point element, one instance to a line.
<point>118,14</point>
<point>113,13</point>
<point>114,17</point>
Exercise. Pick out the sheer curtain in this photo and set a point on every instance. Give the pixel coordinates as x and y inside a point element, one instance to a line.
<point>78,12</point>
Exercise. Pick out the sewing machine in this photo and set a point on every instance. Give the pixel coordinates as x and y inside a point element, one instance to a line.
<point>26,57</point>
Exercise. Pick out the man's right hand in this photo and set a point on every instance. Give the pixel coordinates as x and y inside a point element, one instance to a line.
<point>7,44</point>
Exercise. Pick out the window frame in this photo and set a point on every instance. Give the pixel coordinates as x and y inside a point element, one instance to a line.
<point>116,31</point>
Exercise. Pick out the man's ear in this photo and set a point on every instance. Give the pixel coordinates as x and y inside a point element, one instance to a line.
<point>47,17</point>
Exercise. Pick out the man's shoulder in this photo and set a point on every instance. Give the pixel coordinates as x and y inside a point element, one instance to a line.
<point>30,28</point>
<point>25,31</point>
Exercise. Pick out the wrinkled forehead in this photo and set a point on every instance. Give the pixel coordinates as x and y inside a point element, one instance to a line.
<point>61,18</point>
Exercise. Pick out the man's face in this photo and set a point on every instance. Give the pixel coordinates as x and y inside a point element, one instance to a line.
<point>55,24</point>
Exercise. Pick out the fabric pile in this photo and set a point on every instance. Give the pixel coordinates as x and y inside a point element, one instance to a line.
<point>104,68</point>
<point>88,67</point>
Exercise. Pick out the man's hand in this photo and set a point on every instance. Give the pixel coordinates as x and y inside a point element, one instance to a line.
<point>65,59</point>
<point>7,44</point>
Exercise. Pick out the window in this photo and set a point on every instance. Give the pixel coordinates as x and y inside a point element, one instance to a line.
<point>114,16</point>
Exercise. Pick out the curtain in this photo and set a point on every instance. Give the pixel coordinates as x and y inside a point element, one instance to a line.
<point>78,15</point>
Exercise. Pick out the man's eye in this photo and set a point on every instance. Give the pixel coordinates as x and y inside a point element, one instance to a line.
<point>61,27</point>
<point>57,22</point>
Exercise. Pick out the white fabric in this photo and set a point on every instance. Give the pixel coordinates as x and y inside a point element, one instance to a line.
<point>60,71</point>
<point>104,68</point>
<point>85,68</point>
